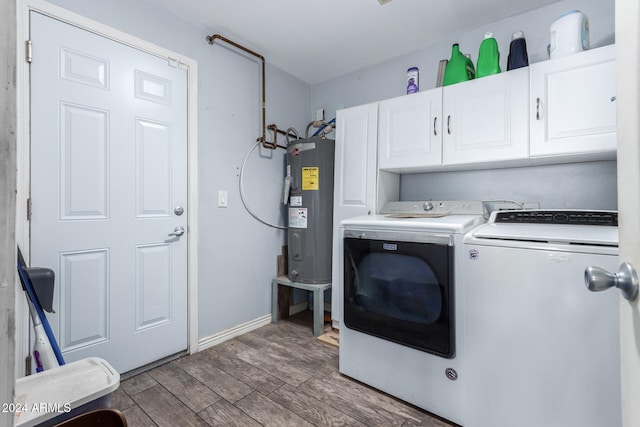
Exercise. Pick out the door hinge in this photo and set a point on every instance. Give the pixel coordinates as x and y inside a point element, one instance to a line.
<point>29,51</point>
<point>29,209</point>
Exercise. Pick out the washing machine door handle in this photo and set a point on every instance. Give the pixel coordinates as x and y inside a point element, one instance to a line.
<point>626,279</point>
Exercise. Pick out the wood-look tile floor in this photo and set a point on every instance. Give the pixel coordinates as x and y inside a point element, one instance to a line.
<point>278,375</point>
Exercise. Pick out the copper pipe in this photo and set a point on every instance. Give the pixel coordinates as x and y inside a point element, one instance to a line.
<point>273,128</point>
<point>263,138</point>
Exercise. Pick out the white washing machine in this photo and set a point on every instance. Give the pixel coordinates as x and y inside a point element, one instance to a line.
<point>540,348</point>
<point>402,304</point>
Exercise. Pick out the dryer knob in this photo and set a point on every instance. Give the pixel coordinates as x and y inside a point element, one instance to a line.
<point>427,206</point>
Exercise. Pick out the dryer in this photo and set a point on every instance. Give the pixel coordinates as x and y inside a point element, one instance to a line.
<point>403,306</point>
<point>540,348</point>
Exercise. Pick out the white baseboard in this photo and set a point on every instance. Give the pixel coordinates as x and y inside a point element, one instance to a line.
<point>220,337</point>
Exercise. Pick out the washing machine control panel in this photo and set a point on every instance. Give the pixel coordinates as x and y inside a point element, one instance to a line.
<point>570,217</point>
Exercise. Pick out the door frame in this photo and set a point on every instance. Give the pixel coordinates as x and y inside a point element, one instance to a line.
<point>23,231</point>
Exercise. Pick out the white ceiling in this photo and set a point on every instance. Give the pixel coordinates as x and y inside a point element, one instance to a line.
<point>316,40</point>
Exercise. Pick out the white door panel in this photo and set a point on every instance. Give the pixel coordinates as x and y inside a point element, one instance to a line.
<point>628,134</point>
<point>109,166</point>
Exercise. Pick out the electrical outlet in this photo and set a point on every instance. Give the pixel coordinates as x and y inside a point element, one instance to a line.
<point>320,114</point>
<point>222,199</point>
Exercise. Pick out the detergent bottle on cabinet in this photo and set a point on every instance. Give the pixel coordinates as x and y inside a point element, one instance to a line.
<point>459,68</point>
<point>488,57</point>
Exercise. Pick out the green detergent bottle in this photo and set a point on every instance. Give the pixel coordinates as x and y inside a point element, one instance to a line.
<point>488,57</point>
<point>459,68</point>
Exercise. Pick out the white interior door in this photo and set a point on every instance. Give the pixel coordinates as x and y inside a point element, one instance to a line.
<point>628,131</point>
<point>108,173</point>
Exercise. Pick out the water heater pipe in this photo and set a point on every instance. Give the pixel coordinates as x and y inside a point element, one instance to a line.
<point>262,139</point>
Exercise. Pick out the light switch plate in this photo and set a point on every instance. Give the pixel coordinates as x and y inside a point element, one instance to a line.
<point>222,199</point>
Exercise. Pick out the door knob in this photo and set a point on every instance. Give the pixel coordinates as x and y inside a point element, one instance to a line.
<point>178,231</point>
<point>598,279</point>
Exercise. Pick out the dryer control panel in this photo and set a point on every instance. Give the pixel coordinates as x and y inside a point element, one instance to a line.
<point>434,208</point>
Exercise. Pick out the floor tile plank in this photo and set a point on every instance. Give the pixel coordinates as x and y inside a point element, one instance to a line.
<point>185,387</point>
<point>278,363</point>
<point>121,400</point>
<point>165,409</point>
<point>259,379</point>
<point>269,413</point>
<point>312,409</point>
<point>224,384</point>
<point>138,383</point>
<point>223,413</point>
<point>137,418</point>
<point>374,397</point>
<point>358,406</point>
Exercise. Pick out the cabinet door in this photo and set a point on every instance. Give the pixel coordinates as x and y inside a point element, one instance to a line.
<point>355,167</point>
<point>572,104</point>
<point>486,119</point>
<point>410,132</point>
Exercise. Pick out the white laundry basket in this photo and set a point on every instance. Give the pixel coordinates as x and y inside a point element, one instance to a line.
<point>57,394</point>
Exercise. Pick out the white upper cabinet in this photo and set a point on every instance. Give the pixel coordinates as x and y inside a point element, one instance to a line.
<point>553,111</point>
<point>486,119</point>
<point>410,131</point>
<point>573,108</point>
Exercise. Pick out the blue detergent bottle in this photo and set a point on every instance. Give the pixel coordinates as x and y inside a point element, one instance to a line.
<point>518,57</point>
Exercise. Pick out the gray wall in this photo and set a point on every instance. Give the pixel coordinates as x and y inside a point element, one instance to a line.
<point>237,254</point>
<point>582,185</point>
<point>589,185</point>
<point>8,127</point>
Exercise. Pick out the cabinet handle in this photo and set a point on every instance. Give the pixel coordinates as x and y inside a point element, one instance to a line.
<point>537,108</point>
<point>435,120</point>
<point>449,124</point>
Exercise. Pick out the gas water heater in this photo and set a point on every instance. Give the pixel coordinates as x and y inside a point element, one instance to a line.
<point>310,172</point>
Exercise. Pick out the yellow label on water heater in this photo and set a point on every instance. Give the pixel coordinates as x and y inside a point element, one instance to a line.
<point>310,178</point>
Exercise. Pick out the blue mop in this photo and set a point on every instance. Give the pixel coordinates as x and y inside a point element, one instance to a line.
<point>45,349</point>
